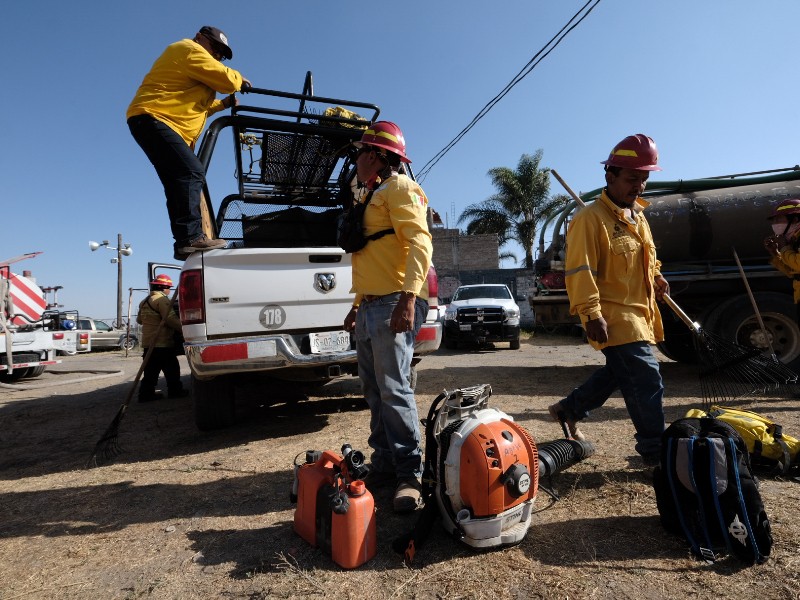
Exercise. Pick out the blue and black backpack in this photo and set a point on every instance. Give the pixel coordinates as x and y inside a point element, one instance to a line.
<point>706,491</point>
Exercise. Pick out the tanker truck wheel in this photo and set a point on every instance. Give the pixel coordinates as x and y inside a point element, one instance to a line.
<point>214,403</point>
<point>735,320</point>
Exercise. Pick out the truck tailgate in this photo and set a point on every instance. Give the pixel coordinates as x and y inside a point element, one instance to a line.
<point>258,290</point>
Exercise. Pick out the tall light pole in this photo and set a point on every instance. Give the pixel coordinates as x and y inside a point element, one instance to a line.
<point>122,250</point>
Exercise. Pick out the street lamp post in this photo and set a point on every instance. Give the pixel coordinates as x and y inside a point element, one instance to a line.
<point>122,250</point>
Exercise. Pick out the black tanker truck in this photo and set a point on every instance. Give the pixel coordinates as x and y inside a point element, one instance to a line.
<point>697,225</point>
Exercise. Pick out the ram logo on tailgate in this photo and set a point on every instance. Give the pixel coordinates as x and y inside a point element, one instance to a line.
<point>324,282</point>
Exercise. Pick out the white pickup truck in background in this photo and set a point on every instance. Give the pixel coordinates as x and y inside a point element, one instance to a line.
<point>272,303</point>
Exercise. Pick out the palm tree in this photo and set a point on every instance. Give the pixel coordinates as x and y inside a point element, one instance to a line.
<point>521,203</point>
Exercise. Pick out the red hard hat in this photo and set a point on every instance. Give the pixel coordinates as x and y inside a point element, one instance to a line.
<point>162,280</point>
<point>790,206</point>
<point>386,135</point>
<point>634,152</point>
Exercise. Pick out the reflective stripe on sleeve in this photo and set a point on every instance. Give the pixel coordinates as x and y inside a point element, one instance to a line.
<point>579,269</point>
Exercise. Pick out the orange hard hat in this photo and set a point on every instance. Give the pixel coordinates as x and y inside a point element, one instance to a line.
<point>790,206</point>
<point>162,280</point>
<point>634,152</point>
<point>386,135</point>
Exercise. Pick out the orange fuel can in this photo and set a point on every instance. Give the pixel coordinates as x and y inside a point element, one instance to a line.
<point>334,515</point>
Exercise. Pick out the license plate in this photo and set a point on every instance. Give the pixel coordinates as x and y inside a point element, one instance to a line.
<point>465,327</point>
<point>329,341</point>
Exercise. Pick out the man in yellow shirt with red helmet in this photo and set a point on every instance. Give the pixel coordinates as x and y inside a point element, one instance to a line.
<point>613,280</point>
<point>166,117</point>
<point>391,302</point>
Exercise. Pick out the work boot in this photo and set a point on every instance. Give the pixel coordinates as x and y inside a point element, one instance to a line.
<point>569,426</point>
<point>203,243</point>
<point>150,396</point>
<point>407,495</point>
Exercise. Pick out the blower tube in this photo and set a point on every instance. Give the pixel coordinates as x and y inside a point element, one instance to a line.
<point>558,455</point>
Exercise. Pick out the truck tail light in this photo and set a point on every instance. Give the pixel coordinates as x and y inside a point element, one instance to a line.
<point>58,336</point>
<point>433,288</point>
<point>190,298</point>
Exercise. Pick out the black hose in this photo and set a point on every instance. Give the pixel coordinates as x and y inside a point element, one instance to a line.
<point>558,455</point>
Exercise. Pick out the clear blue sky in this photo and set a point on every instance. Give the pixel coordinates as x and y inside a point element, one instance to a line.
<point>714,83</point>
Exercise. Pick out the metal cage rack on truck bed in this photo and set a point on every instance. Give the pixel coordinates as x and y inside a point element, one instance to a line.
<point>293,165</point>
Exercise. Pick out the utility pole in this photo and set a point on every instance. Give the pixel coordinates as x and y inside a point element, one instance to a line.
<point>122,250</point>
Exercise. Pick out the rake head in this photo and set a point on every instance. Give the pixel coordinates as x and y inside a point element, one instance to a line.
<point>730,371</point>
<point>107,447</point>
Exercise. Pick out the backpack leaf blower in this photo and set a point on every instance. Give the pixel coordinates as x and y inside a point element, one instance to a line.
<point>335,511</point>
<point>481,472</point>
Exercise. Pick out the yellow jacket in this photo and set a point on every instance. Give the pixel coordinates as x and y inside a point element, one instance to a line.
<point>788,263</point>
<point>180,89</point>
<point>396,262</point>
<point>611,266</point>
<point>152,310</point>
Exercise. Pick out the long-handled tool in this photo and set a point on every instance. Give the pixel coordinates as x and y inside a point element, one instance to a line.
<point>764,332</point>
<point>107,447</point>
<point>728,370</point>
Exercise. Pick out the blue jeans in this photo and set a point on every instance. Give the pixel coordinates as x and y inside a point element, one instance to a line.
<point>384,366</point>
<point>180,171</point>
<point>633,369</point>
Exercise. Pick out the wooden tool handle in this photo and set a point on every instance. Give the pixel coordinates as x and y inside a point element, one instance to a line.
<point>682,315</point>
<point>569,189</point>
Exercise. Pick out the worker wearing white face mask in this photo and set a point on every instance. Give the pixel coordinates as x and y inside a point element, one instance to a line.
<point>784,245</point>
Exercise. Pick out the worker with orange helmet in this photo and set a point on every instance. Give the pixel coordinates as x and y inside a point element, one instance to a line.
<point>154,309</point>
<point>784,243</point>
<point>390,305</point>
<point>613,280</point>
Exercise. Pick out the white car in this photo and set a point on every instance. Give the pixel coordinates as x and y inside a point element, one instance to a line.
<point>481,313</point>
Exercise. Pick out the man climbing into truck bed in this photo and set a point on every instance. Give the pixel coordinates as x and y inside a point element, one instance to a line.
<point>167,116</point>
<point>613,280</point>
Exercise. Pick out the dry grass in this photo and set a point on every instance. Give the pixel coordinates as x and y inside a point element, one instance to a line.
<point>188,515</point>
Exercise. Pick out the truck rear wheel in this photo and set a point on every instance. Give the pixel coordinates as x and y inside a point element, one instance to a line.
<point>214,403</point>
<point>6,377</point>
<point>35,371</point>
<point>735,320</point>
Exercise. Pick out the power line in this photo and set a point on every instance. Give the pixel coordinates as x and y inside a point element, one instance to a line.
<point>532,64</point>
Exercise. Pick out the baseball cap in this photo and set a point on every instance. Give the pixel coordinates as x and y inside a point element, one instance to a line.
<point>218,36</point>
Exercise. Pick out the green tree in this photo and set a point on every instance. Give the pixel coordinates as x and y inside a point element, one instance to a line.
<point>522,202</point>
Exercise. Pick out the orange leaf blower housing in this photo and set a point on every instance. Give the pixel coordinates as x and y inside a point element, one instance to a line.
<point>487,471</point>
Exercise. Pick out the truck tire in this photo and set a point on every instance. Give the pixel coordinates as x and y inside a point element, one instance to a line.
<point>735,320</point>
<point>35,371</point>
<point>514,344</point>
<point>128,342</point>
<point>678,343</point>
<point>449,343</point>
<point>6,377</point>
<point>214,403</point>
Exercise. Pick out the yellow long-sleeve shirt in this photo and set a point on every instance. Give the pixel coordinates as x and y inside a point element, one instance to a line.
<point>611,266</point>
<point>180,89</point>
<point>155,308</point>
<point>398,262</point>
<point>788,263</point>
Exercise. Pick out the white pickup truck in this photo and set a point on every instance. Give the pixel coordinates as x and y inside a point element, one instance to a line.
<point>272,302</point>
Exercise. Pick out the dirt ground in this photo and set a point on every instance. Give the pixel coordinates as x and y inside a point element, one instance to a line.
<point>188,515</point>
